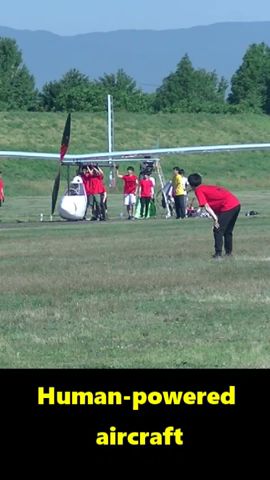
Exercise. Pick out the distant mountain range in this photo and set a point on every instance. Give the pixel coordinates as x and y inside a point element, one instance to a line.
<point>146,55</point>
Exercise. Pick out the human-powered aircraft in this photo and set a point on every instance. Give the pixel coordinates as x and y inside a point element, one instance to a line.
<point>73,203</point>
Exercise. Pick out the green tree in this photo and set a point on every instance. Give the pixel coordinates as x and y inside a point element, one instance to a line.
<point>17,85</point>
<point>250,83</point>
<point>191,90</point>
<point>76,92</point>
<point>49,96</point>
<point>126,95</point>
<point>73,92</point>
<point>68,94</point>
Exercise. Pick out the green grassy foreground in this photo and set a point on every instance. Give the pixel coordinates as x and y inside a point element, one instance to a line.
<point>134,294</point>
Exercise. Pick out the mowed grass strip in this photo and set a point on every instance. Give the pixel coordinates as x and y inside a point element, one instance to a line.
<point>134,295</point>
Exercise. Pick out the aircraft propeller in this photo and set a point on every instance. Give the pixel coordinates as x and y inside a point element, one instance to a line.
<point>63,151</point>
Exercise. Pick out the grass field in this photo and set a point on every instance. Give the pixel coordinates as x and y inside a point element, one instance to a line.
<point>133,294</point>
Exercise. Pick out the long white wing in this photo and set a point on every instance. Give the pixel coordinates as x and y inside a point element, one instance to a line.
<point>29,155</point>
<point>134,154</point>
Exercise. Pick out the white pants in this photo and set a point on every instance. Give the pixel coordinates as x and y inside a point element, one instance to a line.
<point>129,199</point>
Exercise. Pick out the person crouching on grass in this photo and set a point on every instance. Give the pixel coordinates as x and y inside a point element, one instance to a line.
<point>130,190</point>
<point>222,206</point>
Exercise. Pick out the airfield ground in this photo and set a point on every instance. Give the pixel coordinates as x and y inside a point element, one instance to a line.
<point>132,294</point>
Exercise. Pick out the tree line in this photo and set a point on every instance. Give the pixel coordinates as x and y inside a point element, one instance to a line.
<point>185,90</point>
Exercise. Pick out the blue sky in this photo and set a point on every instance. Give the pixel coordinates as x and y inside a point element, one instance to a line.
<point>67,17</point>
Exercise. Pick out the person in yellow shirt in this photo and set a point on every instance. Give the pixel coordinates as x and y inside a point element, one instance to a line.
<point>178,193</point>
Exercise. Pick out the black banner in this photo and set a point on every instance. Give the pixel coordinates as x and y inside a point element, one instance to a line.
<point>180,415</point>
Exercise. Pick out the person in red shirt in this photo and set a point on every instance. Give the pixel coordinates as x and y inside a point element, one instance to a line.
<point>2,195</point>
<point>130,190</point>
<point>95,189</point>
<point>86,178</point>
<point>222,206</point>
<point>146,192</point>
<point>99,189</point>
